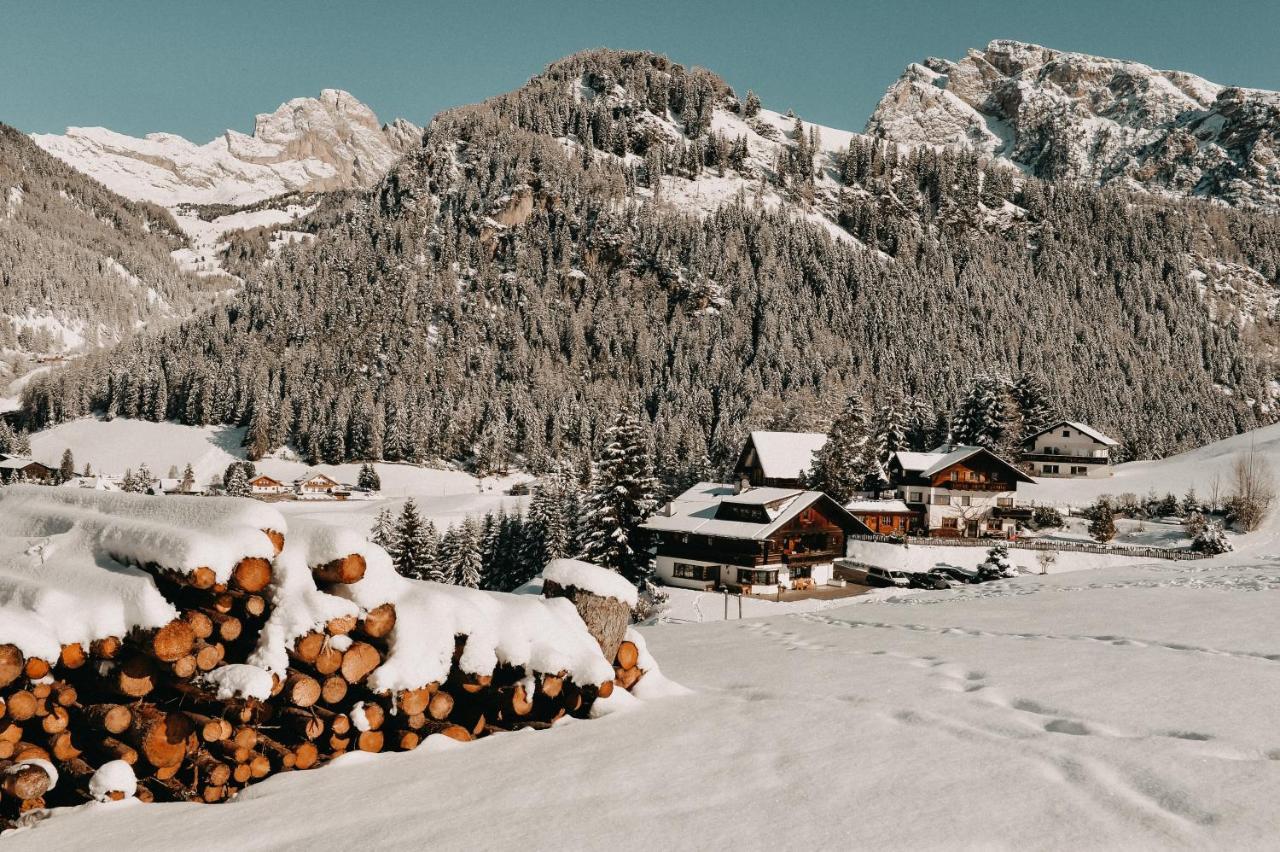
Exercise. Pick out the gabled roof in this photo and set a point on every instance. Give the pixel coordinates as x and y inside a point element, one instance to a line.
<point>18,462</point>
<point>878,507</point>
<point>943,457</point>
<point>695,510</point>
<point>315,474</point>
<point>784,455</point>
<point>260,477</point>
<point>1083,428</point>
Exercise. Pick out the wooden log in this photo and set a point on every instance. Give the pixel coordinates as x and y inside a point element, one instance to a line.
<point>372,741</point>
<point>11,664</point>
<point>254,606</point>
<point>213,771</point>
<point>72,656</point>
<point>413,701</point>
<point>106,648</point>
<point>347,569</point>
<point>379,621</point>
<point>300,689</point>
<point>339,744</point>
<point>211,793</point>
<point>304,723</point>
<point>116,749</point>
<point>112,718</point>
<point>211,729</point>
<point>10,731</point>
<point>407,740</point>
<point>448,729</point>
<point>334,689</point>
<point>259,766</point>
<point>309,645</point>
<point>516,702</point>
<point>627,678</point>
<point>252,574</point>
<point>628,655</point>
<point>184,667</point>
<point>606,618</point>
<point>605,689</point>
<point>340,626</point>
<point>168,643</point>
<point>158,736</point>
<point>226,627</point>
<point>208,656</point>
<point>284,757</point>
<point>245,737</point>
<point>21,781</point>
<point>305,755</point>
<point>35,668</point>
<point>30,751</point>
<point>56,720</point>
<point>22,705</point>
<point>241,773</point>
<point>374,715</point>
<point>62,746</point>
<point>328,661</point>
<point>64,695</point>
<point>135,677</point>
<point>277,540</point>
<point>359,660</point>
<point>201,625</point>
<point>440,706</point>
<point>551,685</point>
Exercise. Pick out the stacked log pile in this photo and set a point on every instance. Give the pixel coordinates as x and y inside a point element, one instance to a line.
<point>172,702</point>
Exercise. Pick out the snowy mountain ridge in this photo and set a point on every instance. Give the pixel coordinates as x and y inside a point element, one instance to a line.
<point>306,145</point>
<point>1058,114</point>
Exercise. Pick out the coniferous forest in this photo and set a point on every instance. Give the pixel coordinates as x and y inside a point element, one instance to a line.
<point>521,278</point>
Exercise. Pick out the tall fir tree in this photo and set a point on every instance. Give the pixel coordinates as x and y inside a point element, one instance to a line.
<point>847,462</point>
<point>623,495</point>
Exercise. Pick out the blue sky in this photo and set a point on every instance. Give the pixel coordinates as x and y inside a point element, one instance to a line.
<point>196,68</point>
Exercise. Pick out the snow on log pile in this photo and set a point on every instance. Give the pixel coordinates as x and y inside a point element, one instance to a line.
<point>178,649</point>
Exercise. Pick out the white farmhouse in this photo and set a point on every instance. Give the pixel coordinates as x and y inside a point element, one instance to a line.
<point>1068,448</point>
<point>959,491</point>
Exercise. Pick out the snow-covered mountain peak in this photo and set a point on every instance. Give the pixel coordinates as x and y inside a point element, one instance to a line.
<point>1060,114</point>
<point>307,144</point>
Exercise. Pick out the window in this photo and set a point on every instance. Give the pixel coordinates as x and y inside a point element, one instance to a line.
<point>802,572</point>
<point>757,578</point>
<point>955,475</point>
<point>1049,468</point>
<point>1079,470</point>
<point>966,500</point>
<point>949,524</point>
<point>942,499</point>
<point>687,571</point>
<point>1066,433</point>
<point>1004,502</point>
<point>887,520</point>
<point>917,497</point>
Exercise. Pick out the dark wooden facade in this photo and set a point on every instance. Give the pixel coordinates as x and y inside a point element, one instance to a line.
<point>896,522</point>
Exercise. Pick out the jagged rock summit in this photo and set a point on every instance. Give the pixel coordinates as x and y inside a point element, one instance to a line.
<point>308,144</point>
<point>1071,115</point>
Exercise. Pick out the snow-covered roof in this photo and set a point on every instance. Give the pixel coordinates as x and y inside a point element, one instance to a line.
<point>313,475</point>
<point>263,478</point>
<point>786,455</point>
<point>943,457</point>
<point>877,507</point>
<point>763,496</point>
<point>695,511</point>
<point>1083,428</point>
<point>17,462</point>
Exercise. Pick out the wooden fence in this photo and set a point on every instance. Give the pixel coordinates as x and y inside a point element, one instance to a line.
<point>1180,553</point>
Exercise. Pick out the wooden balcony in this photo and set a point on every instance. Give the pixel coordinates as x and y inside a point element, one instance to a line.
<point>1064,459</point>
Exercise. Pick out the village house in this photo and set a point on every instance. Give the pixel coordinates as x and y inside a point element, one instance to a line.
<point>12,467</point>
<point>777,459</point>
<point>754,541</point>
<point>882,517</point>
<point>316,486</point>
<point>959,491</point>
<point>265,485</point>
<point>1068,448</point>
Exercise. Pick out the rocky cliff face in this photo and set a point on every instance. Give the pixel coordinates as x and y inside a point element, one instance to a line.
<point>1074,116</point>
<point>307,144</point>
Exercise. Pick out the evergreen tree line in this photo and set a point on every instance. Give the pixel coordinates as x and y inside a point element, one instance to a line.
<point>416,328</point>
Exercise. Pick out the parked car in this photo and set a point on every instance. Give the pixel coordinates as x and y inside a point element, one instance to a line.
<point>885,577</point>
<point>927,580</point>
<point>956,573</point>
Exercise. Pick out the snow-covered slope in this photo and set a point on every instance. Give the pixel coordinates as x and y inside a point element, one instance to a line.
<point>1072,115</point>
<point>307,144</point>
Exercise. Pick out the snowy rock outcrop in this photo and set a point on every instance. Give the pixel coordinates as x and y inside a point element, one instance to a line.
<point>307,144</point>
<point>1076,116</point>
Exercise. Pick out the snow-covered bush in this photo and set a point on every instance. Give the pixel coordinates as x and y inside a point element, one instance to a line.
<point>997,562</point>
<point>1211,539</point>
<point>652,601</point>
<point>1046,517</point>
<point>1196,524</point>
<point>1103,525</point>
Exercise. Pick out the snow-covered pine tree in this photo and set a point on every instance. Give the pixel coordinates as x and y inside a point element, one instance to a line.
<point>847,462</point>
<point>997,563</point>
<point>892,428</point>
<point>67,467</point>
<point>1033,402</point>
<point>369,478</point>
<point>188,481</point>
<point>411,544</point>
<point>443,569</point>
<point>1103,525</point>
<point>383,531</point>
<point>624,493</point>
<point>469,560</point>
<point>237,482</point>
<point>989,417</point>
